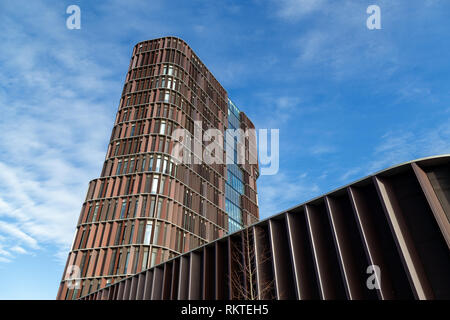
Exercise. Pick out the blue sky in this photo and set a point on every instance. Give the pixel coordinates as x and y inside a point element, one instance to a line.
<point>348,101</point>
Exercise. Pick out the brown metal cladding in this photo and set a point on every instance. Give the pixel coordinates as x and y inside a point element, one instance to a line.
<point>140,187</point>
<point>396,219</point>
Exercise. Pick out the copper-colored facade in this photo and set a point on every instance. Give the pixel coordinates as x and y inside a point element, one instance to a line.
<point>397,220</point>
<point>145,208</point>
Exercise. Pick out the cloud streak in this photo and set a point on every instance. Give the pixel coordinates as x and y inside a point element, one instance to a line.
<point>55,133</point>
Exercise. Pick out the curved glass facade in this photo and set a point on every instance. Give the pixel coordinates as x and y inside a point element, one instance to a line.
<point>234,186</point>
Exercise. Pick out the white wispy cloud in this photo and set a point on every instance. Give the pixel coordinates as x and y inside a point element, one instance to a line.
<point>403,145</point>
<point>351,173</point>
<point>18,249</point>
<point>15,232</point>
<point>5,260</point>
<point>54,129</point>
<point>294,10</point>
<point>322,149</point>
<point>284,190</point>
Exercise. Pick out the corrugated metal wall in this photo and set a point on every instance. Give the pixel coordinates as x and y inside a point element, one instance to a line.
<point>396,220</point>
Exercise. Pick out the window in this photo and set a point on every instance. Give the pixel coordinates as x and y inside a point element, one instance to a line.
<point>95,212</point>
<point>155,184</point>
<point>130,240</point>
<point>118,262</point>
<point>158,164</point>
<point>113,260</point>
<point>144,206</point>
<point>152,207</point>
<point>119,166</point>
<point>148,232</point>
<point>158,210</point>
<point>136,205</point>
<point>144,259</point>
<point>164,243</point>
<point>118,232</point>
<point>153,260</point>
<point>161,185</point>
<point>89,213</point>
<point>133,127</point>
<point>125,165</point>
<point>117,149</point>
<point>164,170</point>
<point>122,211</point>
<point>136,259</point>
<point>156,236</point>
<point>130,169</point>
<point>126,261</point>
<point>140,232</point>
<point>150,165</point>
<point>162,128</point>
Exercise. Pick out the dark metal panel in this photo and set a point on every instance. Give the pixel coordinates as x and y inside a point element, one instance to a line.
<point>114,291</point>
<point>281,260</point>
<point>393,212</point>
<point>370,241</point>
<point>263,257</point>
<point>230,268</point>
<point>175,279</point>
<point>195,276</point>
<point>140,286</point>
<point>301,255</point>
<point>183,278</point>
<point>220,277</point>
<point>133,289</point>
<point>208,273</point>
<point>404,241</point>
<point>327,266</point>
<point>433,201</point>
<point>158,274</point>
<point>126,291</point>
<point>105,293</point>
<point>167,281</point>
<point>121,290</point>
<point>111,294</point>
<point>429,243</point>
<point>148,284</point>
<point>352,260</point>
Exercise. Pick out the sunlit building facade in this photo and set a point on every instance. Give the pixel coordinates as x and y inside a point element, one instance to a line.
<point>145,207</point>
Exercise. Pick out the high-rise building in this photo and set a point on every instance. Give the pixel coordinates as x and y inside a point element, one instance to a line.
<point>147,206</point>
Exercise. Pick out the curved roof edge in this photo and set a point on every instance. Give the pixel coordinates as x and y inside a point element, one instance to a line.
<point>429,161</point>
<point>392,168</point>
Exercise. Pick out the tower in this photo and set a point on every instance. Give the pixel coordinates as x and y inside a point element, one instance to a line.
<point>146,207</point>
